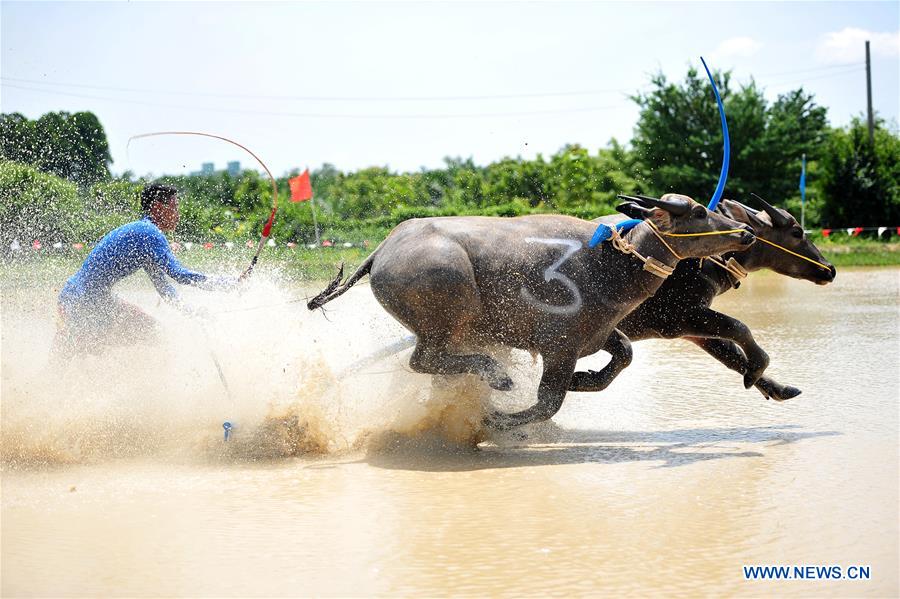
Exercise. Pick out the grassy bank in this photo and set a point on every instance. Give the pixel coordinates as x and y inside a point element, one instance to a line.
<point>29,267</point>
<point>861,252</point>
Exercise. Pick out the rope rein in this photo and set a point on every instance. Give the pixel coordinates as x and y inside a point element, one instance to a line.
<point>651,264</point>
<point>784,249</point>
<point>654,266</point>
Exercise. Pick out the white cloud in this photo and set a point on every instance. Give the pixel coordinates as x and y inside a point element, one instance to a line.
<point>736,47</point>
<point>849,45</point>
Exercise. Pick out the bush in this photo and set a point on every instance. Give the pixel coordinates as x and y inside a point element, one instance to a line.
<point>34,205</point>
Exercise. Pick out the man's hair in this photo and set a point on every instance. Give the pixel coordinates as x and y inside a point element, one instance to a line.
<point>156,192</point>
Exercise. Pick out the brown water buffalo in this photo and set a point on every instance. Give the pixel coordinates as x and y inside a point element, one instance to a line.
<point>531,282</point>
<point>681,306</point>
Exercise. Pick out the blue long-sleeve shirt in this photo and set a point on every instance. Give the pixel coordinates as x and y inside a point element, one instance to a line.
<point>120,253</point>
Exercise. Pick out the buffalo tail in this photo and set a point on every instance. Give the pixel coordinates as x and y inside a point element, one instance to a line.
<point>336,288</point>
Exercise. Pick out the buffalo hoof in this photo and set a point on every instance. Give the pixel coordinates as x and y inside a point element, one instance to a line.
<point>752,377</point>
<point>755,368</point>
<point>786,392</point>
<point>500,382</point>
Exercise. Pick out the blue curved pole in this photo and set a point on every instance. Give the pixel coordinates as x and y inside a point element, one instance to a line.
<point>726,157</point>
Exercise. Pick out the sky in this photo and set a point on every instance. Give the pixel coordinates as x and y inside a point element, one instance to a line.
<point>404,85</point>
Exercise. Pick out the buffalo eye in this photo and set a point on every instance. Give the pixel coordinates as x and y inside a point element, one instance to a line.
<point>797,232</point>
<point>699,212</point>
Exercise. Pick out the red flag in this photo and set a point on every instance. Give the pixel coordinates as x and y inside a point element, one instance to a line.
<point>267,229</point>
<point>301,188</point>
<point>826,232</point>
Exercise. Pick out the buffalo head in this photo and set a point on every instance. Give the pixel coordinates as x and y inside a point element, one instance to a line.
<point>778,227</point>
<point>688,227</point>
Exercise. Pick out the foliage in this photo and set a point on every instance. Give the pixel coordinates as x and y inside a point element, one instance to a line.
<point>71,146</point>
<point>678,138</point>
<point>860,181</point>
<point>677,146</point>
<point>34,205</point>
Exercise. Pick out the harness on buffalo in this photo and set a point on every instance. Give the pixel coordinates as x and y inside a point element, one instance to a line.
<point>732,267</point>
<point>651,264</point>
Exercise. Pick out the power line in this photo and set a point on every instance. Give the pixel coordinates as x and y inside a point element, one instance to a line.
<point>841,74</point>
<point>815,69</point>
<point>322,98</point>
<point>319,115</point>
<point>851,69</point>
<point>588,92</point>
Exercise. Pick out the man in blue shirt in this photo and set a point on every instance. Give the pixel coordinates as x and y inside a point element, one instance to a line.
<point>91,316</point>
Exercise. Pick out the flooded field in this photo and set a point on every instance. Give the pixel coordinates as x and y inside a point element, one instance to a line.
<point>366,479</point>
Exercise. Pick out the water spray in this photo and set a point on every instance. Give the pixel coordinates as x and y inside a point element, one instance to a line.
<point>266,231</point>
<point>267,228</point>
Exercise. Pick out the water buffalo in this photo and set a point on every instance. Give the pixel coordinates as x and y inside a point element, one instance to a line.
<point>531,282</point>
<point>681,306</point>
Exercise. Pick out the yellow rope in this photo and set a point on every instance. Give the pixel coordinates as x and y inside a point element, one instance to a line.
<point>657,233</point>
<point>773,244</point>
<point>703,234</point>
<point>816,262</point>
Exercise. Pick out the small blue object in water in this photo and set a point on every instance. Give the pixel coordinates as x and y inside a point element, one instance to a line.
<point>723,175</point>
<point>604,231</point>
<point>227,426</point>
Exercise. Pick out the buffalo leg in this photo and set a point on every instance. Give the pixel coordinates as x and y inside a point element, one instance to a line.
<point>729,354</point>
<point>619,347</point>
<point>551,393</point>
<point>432,356</point>
<point>709,323</point>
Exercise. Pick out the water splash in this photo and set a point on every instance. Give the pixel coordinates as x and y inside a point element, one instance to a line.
<point>163,398</point>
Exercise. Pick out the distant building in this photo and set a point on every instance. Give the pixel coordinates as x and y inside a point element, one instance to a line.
<point>207,168</point>
<point>234,168</point>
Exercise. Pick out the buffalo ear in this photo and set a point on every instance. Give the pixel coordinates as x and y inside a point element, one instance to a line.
<point>633,210</point>
<point>661,218</point>
<point>723,209</point>
<point>743,214</point>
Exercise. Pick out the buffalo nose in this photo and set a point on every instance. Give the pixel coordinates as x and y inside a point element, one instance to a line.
<point>749,229</point>
<point>832,270</point>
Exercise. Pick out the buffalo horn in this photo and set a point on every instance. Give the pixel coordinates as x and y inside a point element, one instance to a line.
<point>676,207</point>
<point>633,210</point>
<point>778,219</point>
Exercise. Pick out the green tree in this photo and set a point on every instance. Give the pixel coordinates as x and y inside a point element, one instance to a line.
<point>860,182</point>
<point>510,180</point>
<point>35,205</point>
<point>72,146</point>
<point>17,138</point>
<point>678,138</point>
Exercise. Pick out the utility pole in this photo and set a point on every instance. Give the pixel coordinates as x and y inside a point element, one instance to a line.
<point>869,91</point>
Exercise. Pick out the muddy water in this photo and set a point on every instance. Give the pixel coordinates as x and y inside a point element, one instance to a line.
<point>116,480</point>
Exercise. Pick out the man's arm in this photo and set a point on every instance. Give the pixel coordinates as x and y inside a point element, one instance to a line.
<point>163,262</point>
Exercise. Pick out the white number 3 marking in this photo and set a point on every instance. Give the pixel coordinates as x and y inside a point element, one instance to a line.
<point>551,274</point>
